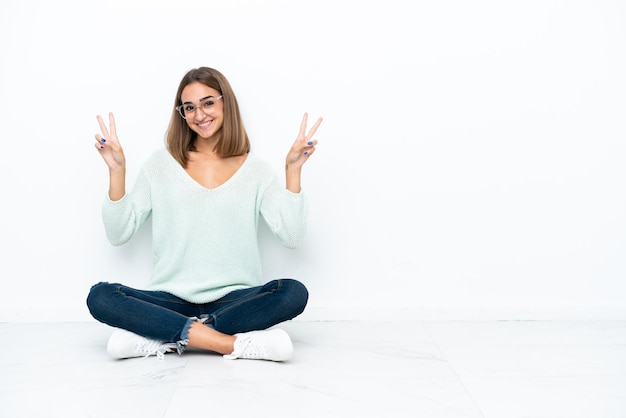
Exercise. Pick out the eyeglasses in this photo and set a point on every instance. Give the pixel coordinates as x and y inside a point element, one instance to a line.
<point>206,104</point>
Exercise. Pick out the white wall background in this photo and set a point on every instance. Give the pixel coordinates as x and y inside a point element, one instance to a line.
<point>470,165</point>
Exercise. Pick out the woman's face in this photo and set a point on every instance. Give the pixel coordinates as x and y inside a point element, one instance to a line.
<point>203,109</point>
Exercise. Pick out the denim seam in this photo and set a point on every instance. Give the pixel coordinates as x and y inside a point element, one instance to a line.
<point>166,300</point>
<point>242,300</point>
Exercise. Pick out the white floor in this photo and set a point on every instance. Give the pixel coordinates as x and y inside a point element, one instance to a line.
<point>339,369</point>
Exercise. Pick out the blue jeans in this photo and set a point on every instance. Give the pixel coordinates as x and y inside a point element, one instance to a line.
<point>165,317</point>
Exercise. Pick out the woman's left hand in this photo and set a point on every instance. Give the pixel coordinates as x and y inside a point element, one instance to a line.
<point>303,146</point>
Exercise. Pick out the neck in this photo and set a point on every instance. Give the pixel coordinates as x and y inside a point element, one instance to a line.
<point>206,147</point>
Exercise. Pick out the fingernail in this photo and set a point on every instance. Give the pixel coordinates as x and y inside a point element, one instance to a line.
<point>104,140</point>
<point>101,146</point>
<point>306,152</point>
<point>310,142</point>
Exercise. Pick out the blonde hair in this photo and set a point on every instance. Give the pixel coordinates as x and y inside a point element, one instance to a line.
<point>180,139</point>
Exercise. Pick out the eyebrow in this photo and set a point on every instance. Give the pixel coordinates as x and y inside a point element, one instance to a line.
<point>201,100</point>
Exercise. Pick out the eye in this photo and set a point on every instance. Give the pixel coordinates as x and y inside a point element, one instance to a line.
<point>208,103</point>
<point>189,108</point>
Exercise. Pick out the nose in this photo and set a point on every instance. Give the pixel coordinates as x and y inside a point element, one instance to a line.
<point>204,110</point>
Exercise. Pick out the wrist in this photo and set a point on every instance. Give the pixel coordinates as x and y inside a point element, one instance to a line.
<point>292,167</point>
<point>117,170</point>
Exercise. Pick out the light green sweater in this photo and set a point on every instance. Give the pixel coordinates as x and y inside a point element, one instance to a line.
<point>204,241</point>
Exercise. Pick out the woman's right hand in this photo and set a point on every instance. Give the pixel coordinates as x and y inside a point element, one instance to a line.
<point>109,146</point>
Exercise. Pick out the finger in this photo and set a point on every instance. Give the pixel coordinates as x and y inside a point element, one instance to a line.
<point>314,128</point>
<point>100,139</point>
<point>303,125</point>
<point>103,127</point>
<point>309,145</point>
<point>112,125</point>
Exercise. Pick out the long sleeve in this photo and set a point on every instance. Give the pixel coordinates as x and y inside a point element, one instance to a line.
<point>285,213</point>
<point>123,218</point>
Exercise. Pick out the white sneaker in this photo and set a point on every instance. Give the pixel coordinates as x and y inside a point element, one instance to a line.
<point>125,344</point>
<point>272,345</point>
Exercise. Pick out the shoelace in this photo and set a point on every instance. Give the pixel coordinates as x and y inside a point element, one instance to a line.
<point>153,347</point>
<point>246,349</point>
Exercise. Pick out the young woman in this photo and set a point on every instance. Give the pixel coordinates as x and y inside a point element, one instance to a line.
<point>205,192</point>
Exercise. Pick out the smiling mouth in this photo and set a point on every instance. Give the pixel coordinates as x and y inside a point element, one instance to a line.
<point>204,125</point>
